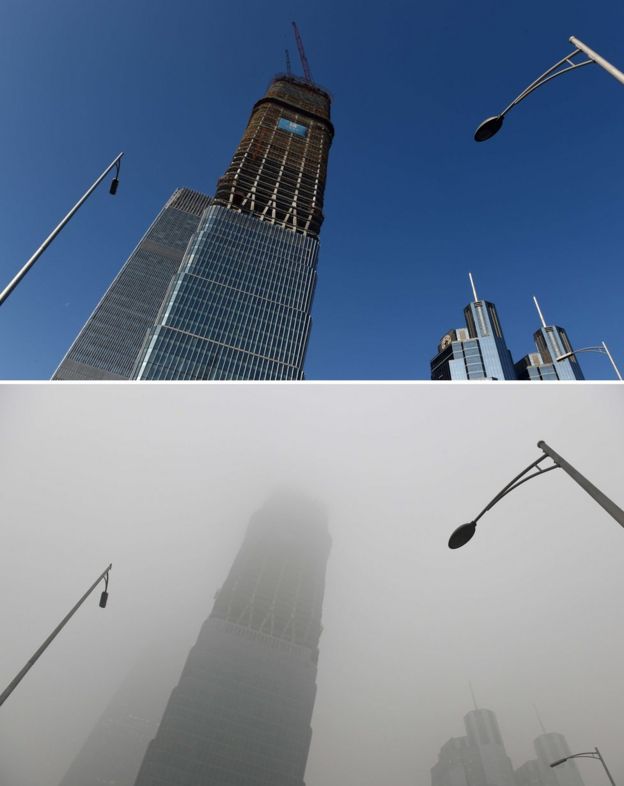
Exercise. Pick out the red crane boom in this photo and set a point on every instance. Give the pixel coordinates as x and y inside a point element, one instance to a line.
<point>302,55</point>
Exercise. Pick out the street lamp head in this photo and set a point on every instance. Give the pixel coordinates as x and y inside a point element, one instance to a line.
<point>558,762</point>
<point>462,535</point>
<point>113,186</point>
<point>103,599</point>
<point>488,128</point>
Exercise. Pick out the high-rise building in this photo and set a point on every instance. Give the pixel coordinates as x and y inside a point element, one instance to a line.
<point>552,342</point>
<point>459,764</point>
<point>549,747</point>
<point>222,288</point>
<point>241,711</point>
<point>108,345</point>
<point>478,759</point>
<point>114,748</point>
<point>533,773</point>
<point>477,351</point>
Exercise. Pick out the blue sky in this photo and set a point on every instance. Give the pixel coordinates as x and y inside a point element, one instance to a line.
<point>412,203</point>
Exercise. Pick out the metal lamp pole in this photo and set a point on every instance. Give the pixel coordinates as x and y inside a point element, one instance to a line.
<point>31,662</point>
<point>595,754</point>
<point>113,190</point>
<point>492,125</point>
<point>602,349</point>
<point>465,532</point>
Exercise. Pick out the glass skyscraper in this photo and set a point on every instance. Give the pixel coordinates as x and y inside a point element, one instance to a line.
<point>477,351</point>
<point>112,752</point>
<point>241,711</point>
<point>549,747</point>
<point>108,344</point>
<point>551,342</point>
<point>478,759</point>
<point>226,293</point>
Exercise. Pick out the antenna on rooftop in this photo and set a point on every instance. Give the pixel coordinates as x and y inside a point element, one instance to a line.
<point>302,55</point>
<point>474,701</point>
<point>288,68</point>
<point>474,289</point>
<point>539,719</point>
<point>539,311</point>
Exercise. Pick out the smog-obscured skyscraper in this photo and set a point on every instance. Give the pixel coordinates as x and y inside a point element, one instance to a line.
<point>235,301</point>
<point>549,747</point>
<point>478,759</point>
<point>241,711</point>
<point>114,749</point>
<point>484,736</point>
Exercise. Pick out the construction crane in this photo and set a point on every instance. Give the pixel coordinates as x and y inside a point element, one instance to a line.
<point>288,68</point>
<point>302,56</point>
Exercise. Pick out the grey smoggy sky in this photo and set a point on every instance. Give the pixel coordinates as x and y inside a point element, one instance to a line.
<point>161,481</point>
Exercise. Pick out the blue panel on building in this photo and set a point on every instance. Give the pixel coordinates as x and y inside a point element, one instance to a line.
<point>290,125</point>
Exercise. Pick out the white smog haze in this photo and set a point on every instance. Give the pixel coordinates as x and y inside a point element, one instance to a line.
<point>161,481</point>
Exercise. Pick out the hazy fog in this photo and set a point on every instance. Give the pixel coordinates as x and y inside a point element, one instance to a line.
<point>161,481</point>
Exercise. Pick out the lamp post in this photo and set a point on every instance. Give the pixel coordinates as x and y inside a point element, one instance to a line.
<point>31,662</point>
<point>595,754</point>
<point>112,190</point>
<point>465,532</point>
<point>602,349</point>
<point>492,125</point>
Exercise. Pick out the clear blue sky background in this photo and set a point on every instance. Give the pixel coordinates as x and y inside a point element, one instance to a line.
<point>412,203</point>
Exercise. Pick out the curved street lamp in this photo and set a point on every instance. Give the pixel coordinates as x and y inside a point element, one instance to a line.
<point>492,125</point>
<point>595,754</point>
<point>112,190</point>
<point>602,349</point>
<point>31,662</point>
<point>464,533</point>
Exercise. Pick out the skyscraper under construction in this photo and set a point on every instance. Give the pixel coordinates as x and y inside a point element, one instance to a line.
<point>222,288</point>
<point>241,711</point>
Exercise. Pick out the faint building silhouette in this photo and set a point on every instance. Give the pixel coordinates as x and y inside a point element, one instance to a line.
<point>478,759</point>
<point>241,711</point>
<point>112,753</point>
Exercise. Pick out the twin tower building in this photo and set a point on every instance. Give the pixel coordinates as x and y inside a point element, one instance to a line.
<point>480,759</point>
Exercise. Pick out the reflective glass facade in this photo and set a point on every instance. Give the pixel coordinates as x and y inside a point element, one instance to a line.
<point>237,304</point>
<point>477,351</point>
<point>108,345</point>
<point>551,342</point>
<point>242,709</point>
<point>239,308</point>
